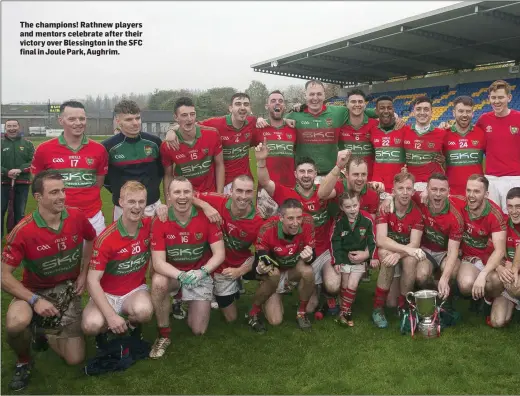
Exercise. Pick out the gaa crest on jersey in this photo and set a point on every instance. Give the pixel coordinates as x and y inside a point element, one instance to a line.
<point>148,150</point>
<point>474,142</point>
<point>147,242</point>
<point>514,130</point>
<point>198,236</point>
<point>22,148</point>
<point>90,161</point>
<point>205,151</point>
<point>289,136</point>
<point>362,231</point>
<point>247,135</point>
<point>329,121</point>
<point>431,145</point>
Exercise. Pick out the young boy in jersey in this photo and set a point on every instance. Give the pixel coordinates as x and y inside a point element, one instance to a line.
<point>352,246</point>
<point>186,250</point>
<point>55,245</point>
<point>287,242</point>
<point>483,244</point>
<point>509,271</point>
<point>398,237</point>
<point>116,279</point>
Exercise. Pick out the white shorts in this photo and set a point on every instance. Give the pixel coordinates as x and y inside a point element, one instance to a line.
<point>475,261</point>
<point>98,222</point>
<point>116,302</point>
<point>202,292</point>
<point>224,286</point>
<point>398,269</point>
<point>420,186</point>
<point>317,266</point>
<point>149,211</point>
<point>514,300</point>
<point>499,187</point>
<point>227,188</point>
<point>437,256</point>
<point>266,205</point>
<point>352,268</point>
<point>285,285</point>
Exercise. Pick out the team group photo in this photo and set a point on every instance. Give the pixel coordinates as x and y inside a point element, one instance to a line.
<point>364,242</point>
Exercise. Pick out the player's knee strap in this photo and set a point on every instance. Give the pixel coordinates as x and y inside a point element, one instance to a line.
<point>226,301</point>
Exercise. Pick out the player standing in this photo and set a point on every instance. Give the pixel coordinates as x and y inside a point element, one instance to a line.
<point>186,249</point>
<point>199,157</point>
<point>55,245</point>
<point>116,279</point>
<point>464,146</point>
<point>81,161</point>
<point>502,129</point>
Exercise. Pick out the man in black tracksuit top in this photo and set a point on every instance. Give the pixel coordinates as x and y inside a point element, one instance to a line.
<point>133,155</point>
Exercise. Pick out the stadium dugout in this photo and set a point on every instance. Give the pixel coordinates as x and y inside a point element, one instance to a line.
<point>454,50</point>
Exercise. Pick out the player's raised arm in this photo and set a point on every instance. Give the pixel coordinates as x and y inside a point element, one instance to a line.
<point>326,189</point>
<point>262,152</point>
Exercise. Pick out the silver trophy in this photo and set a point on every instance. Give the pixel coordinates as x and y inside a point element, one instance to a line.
<point>427,304</point>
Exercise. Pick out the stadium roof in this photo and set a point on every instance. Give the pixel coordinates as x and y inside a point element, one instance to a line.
<point>461,36</point>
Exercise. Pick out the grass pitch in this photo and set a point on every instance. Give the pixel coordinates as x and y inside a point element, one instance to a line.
<point>470,358</point>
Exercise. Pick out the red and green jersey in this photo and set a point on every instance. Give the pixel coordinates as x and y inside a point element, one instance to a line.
<point>49,256</point>
<point>476,240</point>
<point>239,233</point>
<point>389,154</point>
<point>280,162</point>
<point>235,144</point>
<point>440,227</point>
<point>283,248</point>
<point>502,143</point>
<point>368,198</point>
<point>513,239</point>
<point>79,169</point>
<point>464,155</point>
<point>400,228</point>
<point>187,245</point>
<point>313,206</point>
<point>195,161</point>
<point>123,258</point>
<point>358,141</point>
<point>421,150</point>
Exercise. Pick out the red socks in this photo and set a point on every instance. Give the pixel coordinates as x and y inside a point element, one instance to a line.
<point>401,301</point>
<point>255,310</point>
<point>380,298</point>
<point>347,298</point>
<point>303,306</point>
<point>331,302</point>
<point>23,359</point>
<point>164,332</point>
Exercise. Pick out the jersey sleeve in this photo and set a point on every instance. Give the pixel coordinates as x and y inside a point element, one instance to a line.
<point>281,193</point>
<point>262,239</point>
<point>371,113</point>
<point>38,162</point>
<point>308,231</point>
<point>214,233</point>
<point>497,220</point>
<point>216,143</point>
<point>100,255</point>
<point>339,187</point>
<point>214,199</point>
<point>381,218</point>
<point>212,122</point>
<point>457,228</point>
<point>372,201</point>
<point>418,223</point>
<point>102,168</point>
<point>14,249</point>
<point>157,240</point>
<point>166,155</point>
<point>87,230</point>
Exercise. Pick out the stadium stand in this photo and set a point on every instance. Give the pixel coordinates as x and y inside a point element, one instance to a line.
<point>442,98</point>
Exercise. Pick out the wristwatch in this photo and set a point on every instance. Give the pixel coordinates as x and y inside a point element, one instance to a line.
<point>33,299</point>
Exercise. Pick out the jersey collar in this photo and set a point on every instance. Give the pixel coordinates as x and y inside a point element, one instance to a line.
<point>454,129</point>
<point>298,189</point>
<point>171,216</point>
<point>249,216</point>
<point>323,109</point>
<point>63,142</point>
<point>408,210</point>
<point>40,222</point>
<point>198,134</point>
<point>17,137</point>
<point>444,210</point>
<point>281,234</point>
<point>485,212</point>
<point>230,123</point>
<point>124,233</point>
<point>386,129</point>
<point>513,226</point>
<point>431,128</point>
<point>280,127</point>
<point>365,121</point>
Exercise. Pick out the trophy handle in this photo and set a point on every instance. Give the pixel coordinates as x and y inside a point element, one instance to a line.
<point>408,297</point>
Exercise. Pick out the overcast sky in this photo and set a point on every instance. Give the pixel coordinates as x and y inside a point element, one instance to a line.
<point>194,45</point>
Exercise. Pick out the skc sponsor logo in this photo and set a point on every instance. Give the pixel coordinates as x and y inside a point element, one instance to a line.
<point>280,147</point>
<point>186,253</point>
<point>318,135</point>
<point>78,177</point>
<point>42,248</point>
<point>58,161</point>
<point>70,259</point>
<point>191,169</point>
<point>236,152</point>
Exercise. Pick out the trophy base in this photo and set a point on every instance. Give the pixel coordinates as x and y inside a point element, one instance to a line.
<point>429,329</point>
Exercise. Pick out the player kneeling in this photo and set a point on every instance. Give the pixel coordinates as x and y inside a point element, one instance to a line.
<point>509,272</point>
<point>49,242</point>
<point>186,249</point>
<point>352,246</point>
<point>286,241</point>
<point>116,279</point>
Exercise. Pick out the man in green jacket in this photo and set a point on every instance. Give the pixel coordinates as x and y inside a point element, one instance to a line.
<point>17,154</point>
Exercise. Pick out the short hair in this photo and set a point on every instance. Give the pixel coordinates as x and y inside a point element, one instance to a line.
<point>132,186</point>
<point>422,99</point>
<point>242,178</point>
<point>513,193</point>
<point>39,179</point>
<point>276,91</point>
<point>499,84</point>
<point>347,195</point>
<point>465,100</point>
<point>12,119</point>
<point>179,179</point>
<point>239,95</point>
<point>290,203</point>
<point>480,178</point>
<point>127,107</point>
<point>71,103</point>
<point>403,176</point>
<point>384,97</point>
<point>438,176</point>
<point>184,101</point>
<point>356,91</point>
<point>356,160</point>
<point>314,82</point>
<point>306,160</point>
